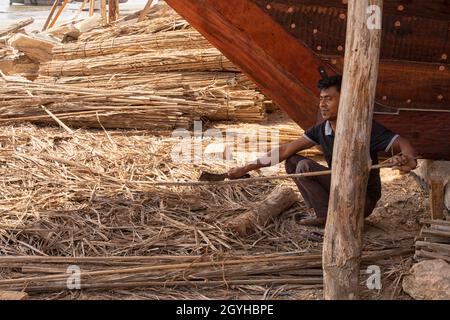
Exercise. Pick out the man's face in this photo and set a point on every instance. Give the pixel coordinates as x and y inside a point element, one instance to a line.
<point>329,103</point>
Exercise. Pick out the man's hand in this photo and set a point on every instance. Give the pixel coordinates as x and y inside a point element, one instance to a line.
<point>404,163</point>
<point>238,172</point>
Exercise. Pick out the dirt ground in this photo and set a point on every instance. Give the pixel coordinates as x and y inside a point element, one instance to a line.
<point>395,223</point>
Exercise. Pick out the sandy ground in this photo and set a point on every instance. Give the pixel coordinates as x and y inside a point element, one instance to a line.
<point>12,13</point>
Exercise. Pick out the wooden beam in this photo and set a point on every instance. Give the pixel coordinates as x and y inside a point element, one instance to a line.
<point>437,199</point>
<point>113,10</point>
<point>63,5</point>
<point>91,8</point>
<point>50,15</point>
<point>103,11</point>
<point>145,11</point>
<point>351,160</point>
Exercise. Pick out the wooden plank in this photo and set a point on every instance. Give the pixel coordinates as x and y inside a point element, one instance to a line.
<point>343,233</point>
<point>16,27</point>
<point>437,199</point>
<point>145,11</point>
<point>113,10</point>
<point>50,15</point>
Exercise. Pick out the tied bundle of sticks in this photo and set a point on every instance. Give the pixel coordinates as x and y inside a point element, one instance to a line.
<point>435,242</point>
<point>46,274</point>
<point>182,40</point>
<point>158,81</point>
<point>158,108</point>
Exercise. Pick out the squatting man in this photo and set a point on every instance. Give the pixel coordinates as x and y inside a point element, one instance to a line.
<point>316,190</point>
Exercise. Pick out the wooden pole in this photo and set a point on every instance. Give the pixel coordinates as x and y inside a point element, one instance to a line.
<point>91,8</point>
<point>83,5</point>
<point>63,5</point>
<point>103,11</point>
<point>145,11</point>
<point>50,15</point>
<point>351,161</point>
<point>113,10</point>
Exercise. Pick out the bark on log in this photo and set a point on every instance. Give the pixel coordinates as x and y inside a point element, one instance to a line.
<point>351,161</point>
<point>279,200</point>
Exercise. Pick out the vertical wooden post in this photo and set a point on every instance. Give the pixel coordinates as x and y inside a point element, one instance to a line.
<point>103,11</point>
<point>91,8</point>
<point>437,199</point>
<point>113,10</point>
<point>351,160</point>
<point>50,15</point>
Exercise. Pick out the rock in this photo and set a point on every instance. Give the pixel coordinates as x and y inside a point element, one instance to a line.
<point>428,280</point>
<point>439,170</point>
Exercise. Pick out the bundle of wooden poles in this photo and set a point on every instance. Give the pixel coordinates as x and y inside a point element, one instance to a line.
<point>46,274</point>
<point>157,74</point>
<point>161,109</point>
<point>435,240</point>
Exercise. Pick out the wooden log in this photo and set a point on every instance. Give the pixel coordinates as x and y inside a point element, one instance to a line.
<point>13,295</point>
<point>437,199</point>
<point>279,200</point>
<point>50,15</point>
<point>436,233</point>
<point>351,161</point>
<point>16,27</point>
<point>435,222</point>
<point>113,10</point>
<point>436,247</point>
<point>37,49</point>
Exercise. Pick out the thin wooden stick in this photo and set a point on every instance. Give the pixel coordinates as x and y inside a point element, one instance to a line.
<point>91,8</point>
<point>54,117</point>
<point>50,15</point>
<point>16,27</point>
<point>83,5</point>
<point>249,180</point>
<point>63,5</point>
<point>145,11</point>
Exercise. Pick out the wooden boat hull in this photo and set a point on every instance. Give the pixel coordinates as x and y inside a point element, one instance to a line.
<point>280,45</point>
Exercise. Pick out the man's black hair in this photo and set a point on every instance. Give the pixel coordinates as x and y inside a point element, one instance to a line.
<point>328,82</point>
